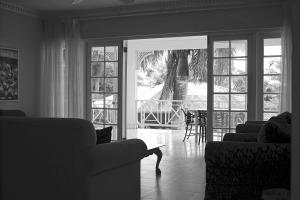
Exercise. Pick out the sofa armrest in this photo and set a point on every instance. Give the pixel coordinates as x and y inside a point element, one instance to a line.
<point>247,155</point>
<point>248,128</point>
<point>240,137</point>
<point>113,155</point>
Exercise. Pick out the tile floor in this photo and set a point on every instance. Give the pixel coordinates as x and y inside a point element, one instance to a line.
<point>182,166</point>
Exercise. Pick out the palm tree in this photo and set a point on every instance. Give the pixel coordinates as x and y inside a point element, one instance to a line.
<point>179,72</point>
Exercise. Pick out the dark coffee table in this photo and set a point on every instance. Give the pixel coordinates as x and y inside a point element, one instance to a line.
<point>153,146</point>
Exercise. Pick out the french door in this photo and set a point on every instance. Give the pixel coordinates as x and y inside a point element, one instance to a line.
<point>227,85</point>
<point>104,86</point>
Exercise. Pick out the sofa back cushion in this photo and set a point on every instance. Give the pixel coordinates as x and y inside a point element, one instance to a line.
<point>37,149</point>
<point>276,130</point>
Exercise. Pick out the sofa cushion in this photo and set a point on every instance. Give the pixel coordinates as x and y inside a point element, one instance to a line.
<point>104,135</point>
<point>286,116</point>
<point>276,130</point>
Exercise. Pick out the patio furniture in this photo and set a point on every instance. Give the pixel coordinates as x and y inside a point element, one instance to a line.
<point>202,122</point>
<point>189,122</point>
<point>198,119</point>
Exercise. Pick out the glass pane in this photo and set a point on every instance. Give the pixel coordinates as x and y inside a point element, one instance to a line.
<point>97,69</point>
<point>267,116</point>
<point>111,101</point>
<point>238,102</point>
<point>271,102</point>
<point>97,53</point>
<point>114,133</point>
<point>111,116</point>
<point>238,66</point>
<point>237,118</point>
<point>98,116</point>
<point>221,49</point>
<point>98,126</point>
<point>220,119</point>
<point>221,102</point>
<point>232,130</point>
<point>221,84</point>
<point>238,48</point>
<point>111,53</point>
<point>272,46</point>
<point>111,69</point>
<point>218,134</point>
<point>238,84</point>
<point>272,65</point>
<point>111,85</point>
<point>97,100</point>
<point>221,66</point>
<point>97,84</point>
<point>272,84</point>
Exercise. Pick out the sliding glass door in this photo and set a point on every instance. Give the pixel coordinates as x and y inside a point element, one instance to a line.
<point>104,93</point>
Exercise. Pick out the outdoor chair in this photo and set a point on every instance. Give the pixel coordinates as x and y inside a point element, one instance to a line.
<point>202,122</point>
<point>189,122</point>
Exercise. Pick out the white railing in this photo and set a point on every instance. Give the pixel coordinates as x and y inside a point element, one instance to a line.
<point>104,116</point>
<point>164,113</point>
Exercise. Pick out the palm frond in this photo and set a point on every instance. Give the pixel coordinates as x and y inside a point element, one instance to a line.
<point>198,65</point>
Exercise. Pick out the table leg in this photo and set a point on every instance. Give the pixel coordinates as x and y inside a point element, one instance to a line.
<point>196,127</point>
<point>159,154</point>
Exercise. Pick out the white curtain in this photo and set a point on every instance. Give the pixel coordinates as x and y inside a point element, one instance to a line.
<point>286,78</point>
<point>62,70</point>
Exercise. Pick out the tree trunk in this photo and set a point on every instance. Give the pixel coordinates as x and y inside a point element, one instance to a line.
<point>182,76</point>
<point>168,87</point>
<point>181,82</point>
<point>175,87</point>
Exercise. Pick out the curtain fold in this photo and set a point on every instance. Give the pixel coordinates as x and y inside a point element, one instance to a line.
<point>62,70</point>
<point>286,69</point>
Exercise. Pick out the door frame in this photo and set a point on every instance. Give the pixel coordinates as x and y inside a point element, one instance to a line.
<point>251,72</point>
<point>120,111</point>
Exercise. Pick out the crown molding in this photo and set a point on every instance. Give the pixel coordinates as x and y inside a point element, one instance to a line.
<point>160,8</point>
<point>12,7</point>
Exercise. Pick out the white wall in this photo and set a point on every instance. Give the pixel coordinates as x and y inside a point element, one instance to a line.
<point>179,23</point>
<point>23,32</point>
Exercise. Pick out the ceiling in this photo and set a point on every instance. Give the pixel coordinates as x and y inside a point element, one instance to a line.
<point>62,5</point>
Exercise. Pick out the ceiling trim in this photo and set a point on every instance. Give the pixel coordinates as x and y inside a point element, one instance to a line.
<point>160,8</point>
<point>12,7</point>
